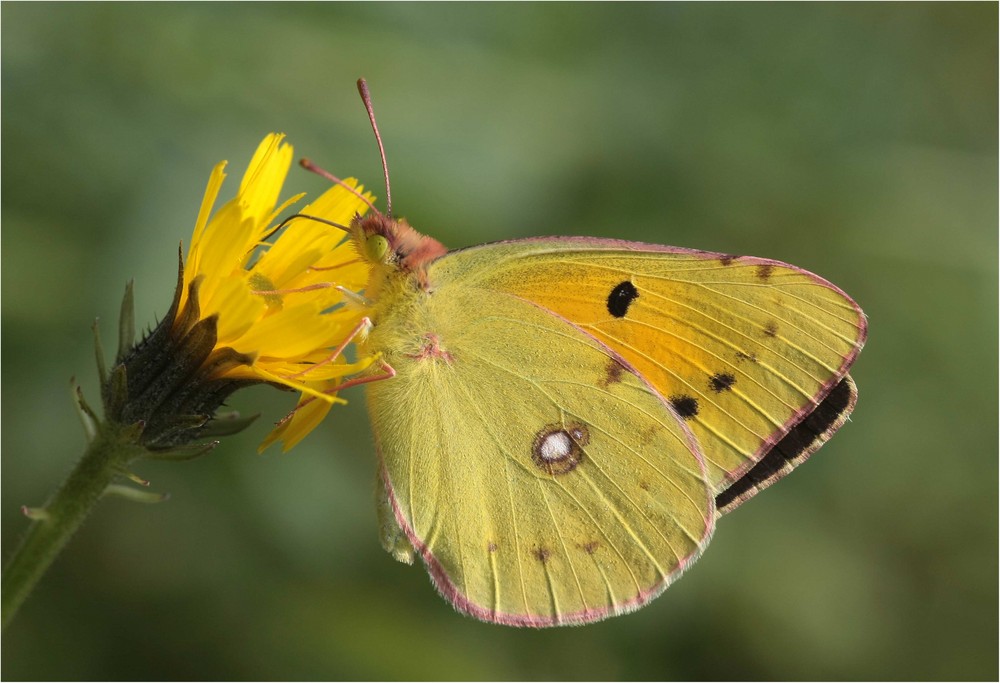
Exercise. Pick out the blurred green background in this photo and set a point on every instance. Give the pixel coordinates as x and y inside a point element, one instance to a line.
<point>857,141</point>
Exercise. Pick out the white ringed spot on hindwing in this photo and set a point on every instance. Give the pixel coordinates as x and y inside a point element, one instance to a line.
<point>558,449</point>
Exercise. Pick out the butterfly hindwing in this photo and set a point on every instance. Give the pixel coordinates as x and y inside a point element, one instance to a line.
<point>743,348</point>
<point>536,473</point>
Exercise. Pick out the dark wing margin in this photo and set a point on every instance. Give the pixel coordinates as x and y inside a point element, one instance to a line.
<point>794,448</point>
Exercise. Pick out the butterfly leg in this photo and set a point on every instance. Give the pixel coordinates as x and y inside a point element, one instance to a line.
<point>388,372</point>
<point>361,328</point>
<point>351,296</point>
<point>354,298</point>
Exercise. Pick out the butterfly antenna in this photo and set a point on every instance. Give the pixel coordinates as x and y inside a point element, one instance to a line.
<point>323,173</point>
<point>366,97</point>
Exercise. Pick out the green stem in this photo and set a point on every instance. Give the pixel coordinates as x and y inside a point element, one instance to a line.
<point>106,456</point>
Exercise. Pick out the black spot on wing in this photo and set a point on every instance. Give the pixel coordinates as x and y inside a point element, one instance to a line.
<point>727,259</point>
<point>686,406</point>
<point>771,329</point>
<point>764,271</point>
<point>721,381</point>
<point>796,442</point>
<point>752,357</point>
<point>621,297</point>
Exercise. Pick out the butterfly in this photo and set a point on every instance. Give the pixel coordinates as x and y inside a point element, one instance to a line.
<point>561,421</point>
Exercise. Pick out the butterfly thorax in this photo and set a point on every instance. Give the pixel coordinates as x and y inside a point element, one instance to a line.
<point>410,323</point>
<point>399,287</point>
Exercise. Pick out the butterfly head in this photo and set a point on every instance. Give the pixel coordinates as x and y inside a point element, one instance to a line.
<point>385,241</point>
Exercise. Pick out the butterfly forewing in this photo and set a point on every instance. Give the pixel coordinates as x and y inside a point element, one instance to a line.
<point>742,348</point>
<point>540,478</point>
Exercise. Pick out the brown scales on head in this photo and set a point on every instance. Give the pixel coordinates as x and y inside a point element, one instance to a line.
<point>406,248</point>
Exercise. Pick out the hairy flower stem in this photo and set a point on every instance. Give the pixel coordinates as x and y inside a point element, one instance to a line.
<point>106,457</point>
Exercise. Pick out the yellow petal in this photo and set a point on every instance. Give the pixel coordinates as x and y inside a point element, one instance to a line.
<point>293,429</point>
<point>261,185</point>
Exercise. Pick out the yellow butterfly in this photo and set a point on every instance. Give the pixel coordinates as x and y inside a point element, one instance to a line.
<point>561,421</point>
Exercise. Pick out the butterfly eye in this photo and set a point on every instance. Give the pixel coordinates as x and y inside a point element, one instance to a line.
<point>376,246</point>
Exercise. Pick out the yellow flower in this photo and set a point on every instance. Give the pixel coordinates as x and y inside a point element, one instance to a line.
<point>274,300</point>
<point>246,310</point>
<point>249,310</point>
